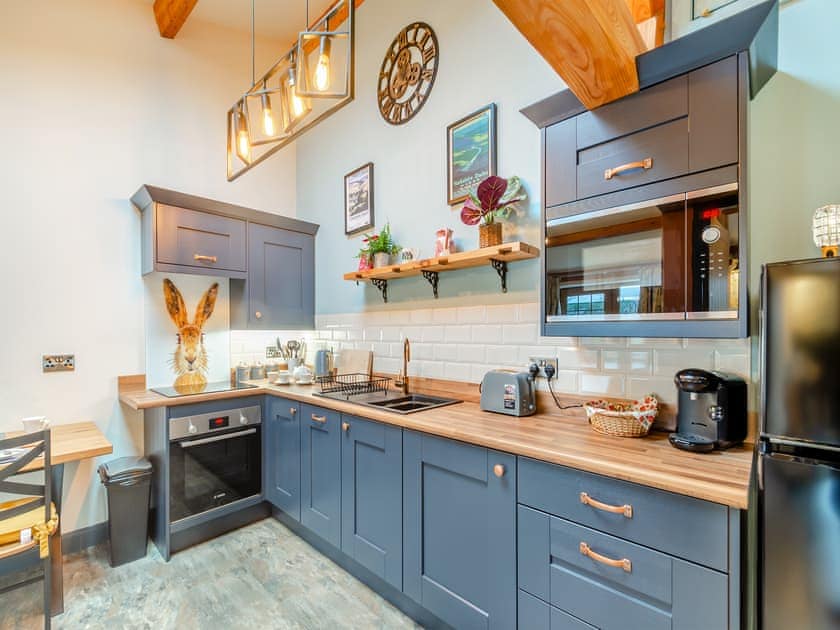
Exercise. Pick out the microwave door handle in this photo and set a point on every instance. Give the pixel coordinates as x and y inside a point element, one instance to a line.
<point>217,438</point>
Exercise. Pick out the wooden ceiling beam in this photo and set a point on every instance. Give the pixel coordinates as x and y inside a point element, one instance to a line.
<point>171,15</point>
<point>591,44</point>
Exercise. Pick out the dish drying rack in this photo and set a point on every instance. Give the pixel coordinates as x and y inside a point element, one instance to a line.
<point>353,384</point>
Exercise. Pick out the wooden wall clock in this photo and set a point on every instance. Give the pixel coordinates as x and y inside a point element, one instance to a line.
<point>408,73</point>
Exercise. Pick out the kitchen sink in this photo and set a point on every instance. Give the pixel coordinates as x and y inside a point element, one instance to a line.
<point>412,403</point>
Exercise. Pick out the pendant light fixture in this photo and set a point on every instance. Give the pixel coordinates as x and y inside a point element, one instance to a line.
<point>279,106</point>
<point>316,45</point>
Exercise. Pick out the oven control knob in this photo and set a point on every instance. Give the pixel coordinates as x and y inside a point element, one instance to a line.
<point>192,428</point>
<point>243,419</point>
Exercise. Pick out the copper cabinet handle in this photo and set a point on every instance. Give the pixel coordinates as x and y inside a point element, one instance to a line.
<point>624,563</point>
<point>203,258</point>
<point>345,426</point>
<point>320,419</point>
<point>626,509</point>
<point>499,470</point>
<point>292,410</point>
<point>258,315</point>
<point>646,164</point>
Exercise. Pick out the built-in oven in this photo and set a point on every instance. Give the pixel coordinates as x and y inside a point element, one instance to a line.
<point>214,461</point>
<point>672,258</point>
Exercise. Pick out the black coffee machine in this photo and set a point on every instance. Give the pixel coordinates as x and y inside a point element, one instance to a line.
<point>711,411</point>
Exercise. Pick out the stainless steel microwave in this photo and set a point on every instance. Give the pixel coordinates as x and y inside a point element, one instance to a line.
<point>671,259</point>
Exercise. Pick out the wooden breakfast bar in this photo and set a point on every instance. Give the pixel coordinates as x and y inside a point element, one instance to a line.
<point>71,442</point>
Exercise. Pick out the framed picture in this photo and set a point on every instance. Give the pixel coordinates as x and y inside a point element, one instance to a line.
<point>358,199</point>
<point>470,152</point>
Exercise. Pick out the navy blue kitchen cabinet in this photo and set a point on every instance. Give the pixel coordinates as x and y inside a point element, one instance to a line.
<point>320,445</point>
<point>371,496</point>
<point>459,531</point>
<point>282,455</point>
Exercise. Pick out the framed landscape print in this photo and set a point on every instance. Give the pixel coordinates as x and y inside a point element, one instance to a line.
<point>470,152</point>
<point>358,199</point>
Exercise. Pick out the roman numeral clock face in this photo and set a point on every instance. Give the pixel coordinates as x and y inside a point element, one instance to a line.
<point>408,73</point>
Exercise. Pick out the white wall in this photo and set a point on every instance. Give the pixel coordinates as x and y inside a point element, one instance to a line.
<point>95,104</point>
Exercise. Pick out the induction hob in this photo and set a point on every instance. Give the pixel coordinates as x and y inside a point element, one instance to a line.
<point>207,388</point>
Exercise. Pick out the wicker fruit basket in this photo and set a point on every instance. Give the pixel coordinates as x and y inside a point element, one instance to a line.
<point>622,420</point>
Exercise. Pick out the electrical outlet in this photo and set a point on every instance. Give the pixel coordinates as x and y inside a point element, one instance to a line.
<point>272,352</point>
<point>58,362</point>
<point>542,362</point>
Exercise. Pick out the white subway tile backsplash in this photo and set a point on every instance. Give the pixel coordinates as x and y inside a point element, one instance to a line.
<point>669,362</point>
<point>519,334</point>
<point>431,334</point>
<point>501,314</point>
<point>487,333</point>
<point>470,353</point>
<point>457,372</point>
<point>529,313</point>
<point>445,315</point>
<point>603,384</point>
<point>471,314</point>
<point>455,334</point>
<point>463,343</point>
<point>577,358</point>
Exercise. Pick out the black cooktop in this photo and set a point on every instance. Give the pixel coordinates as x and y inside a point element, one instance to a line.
<point>208,388</point>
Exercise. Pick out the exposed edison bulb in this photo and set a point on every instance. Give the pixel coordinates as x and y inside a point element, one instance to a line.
<point>243,139</point>
<point>322,70</point>
<point>299,106</point>
<point>267,116</point>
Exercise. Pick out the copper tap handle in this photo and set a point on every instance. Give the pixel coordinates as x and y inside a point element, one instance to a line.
<point>626,509</point>
<point>624,563</point>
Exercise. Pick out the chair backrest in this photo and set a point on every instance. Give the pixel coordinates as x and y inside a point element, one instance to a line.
<point>36,444</point>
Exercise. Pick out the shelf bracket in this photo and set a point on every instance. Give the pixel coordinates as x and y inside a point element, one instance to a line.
<point>501,268</point>
<point>432,278</point>
<point>382,285</point>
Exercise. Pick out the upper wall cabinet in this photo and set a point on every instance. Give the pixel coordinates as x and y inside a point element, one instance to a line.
<point>644,211</point>
<point>270,258</point>
<point>280,291</point>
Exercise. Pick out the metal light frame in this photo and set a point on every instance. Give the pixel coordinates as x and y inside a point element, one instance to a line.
<point>326,35</point>
<point>279,71</point>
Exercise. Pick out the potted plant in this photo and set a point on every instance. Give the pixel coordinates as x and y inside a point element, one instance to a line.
<point>493,199</point>
<point>380,247</point>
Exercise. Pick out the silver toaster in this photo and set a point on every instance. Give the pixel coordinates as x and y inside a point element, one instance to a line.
<point>504,391</point>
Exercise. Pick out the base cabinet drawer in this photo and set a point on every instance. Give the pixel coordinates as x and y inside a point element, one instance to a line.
<point>675,524</point>
<point>611,583</point>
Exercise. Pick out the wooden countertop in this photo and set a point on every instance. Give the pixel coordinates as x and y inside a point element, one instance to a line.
<point>72,442</point>
<point>552,436</point>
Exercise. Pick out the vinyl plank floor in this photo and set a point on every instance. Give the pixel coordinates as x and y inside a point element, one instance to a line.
<point>260,576</point>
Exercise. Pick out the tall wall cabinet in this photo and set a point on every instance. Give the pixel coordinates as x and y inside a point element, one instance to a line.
<point>270,259</point>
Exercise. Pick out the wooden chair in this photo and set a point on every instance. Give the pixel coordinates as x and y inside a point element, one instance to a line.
<point>27,523</point>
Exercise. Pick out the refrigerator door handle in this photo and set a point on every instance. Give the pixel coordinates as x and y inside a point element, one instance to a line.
<point>759,472</point>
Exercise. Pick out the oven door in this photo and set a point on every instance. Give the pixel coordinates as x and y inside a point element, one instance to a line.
<point>624,263</point>
<point>213,470</point>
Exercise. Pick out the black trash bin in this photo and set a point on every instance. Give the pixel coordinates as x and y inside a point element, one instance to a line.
<point>128,481</point>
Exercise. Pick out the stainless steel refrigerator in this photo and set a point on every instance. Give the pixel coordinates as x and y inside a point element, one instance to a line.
<point>799,447</point>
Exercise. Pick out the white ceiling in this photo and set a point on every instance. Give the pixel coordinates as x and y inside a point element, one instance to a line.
<point>282,19</point>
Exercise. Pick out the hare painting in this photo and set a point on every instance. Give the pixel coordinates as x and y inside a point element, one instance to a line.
<point>189,361</point>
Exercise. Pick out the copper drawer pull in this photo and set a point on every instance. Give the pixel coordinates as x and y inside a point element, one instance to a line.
<point>624,563</point>
<point>203,258</point>
<point>646,164</point>
<point>626,509</point>
<point>320,419</point>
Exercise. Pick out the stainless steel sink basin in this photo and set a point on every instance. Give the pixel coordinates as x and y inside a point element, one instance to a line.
<point>412,403</point>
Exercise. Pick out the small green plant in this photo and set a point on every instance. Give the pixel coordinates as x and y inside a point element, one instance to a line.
<point>382,243</point>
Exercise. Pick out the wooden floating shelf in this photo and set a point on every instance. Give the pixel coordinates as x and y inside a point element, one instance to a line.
<point>497,256</point>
